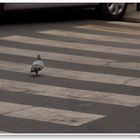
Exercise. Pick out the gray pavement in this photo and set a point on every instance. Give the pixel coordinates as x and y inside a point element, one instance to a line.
<point>91,79</point>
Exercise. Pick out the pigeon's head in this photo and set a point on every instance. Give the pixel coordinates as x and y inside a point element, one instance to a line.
<point>38,57</point>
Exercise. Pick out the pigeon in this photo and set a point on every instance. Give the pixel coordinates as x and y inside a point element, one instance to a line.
<point>37,65</point>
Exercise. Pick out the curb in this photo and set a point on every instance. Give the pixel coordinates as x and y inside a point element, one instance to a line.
<point>132,15</point>
<point>129,19</point>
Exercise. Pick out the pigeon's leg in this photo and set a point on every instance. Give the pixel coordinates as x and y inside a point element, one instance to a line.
<point>36,72</point>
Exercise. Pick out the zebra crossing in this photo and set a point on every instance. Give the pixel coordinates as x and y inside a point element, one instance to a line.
<point>114,87</point>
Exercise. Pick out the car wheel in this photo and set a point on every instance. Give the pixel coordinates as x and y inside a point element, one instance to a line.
<point>113,11</point>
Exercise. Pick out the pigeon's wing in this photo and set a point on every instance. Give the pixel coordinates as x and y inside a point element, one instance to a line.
<point>38,62</point>
<point>37,66</point>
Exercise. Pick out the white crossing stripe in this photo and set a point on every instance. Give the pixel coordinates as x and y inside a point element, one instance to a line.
<point>71,45</point>
<point>71,74</point>
<point>91,36</point>
<point>2,132</point>
<point>70,58</point>
<point>109,29</point>
<point>68,93</point>
<point>5,133</point>
<point>71,118</point>
<point>52,56</point>
<point>9,107</point>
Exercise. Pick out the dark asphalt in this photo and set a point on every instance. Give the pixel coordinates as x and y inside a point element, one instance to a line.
<point>119,119</point>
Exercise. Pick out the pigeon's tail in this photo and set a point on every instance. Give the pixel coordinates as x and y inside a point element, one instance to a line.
<point>32,70</point>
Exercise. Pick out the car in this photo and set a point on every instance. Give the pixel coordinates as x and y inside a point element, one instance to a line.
<point>110,11</point>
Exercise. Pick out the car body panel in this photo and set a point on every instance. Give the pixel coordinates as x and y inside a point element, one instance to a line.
<point>20,6</point>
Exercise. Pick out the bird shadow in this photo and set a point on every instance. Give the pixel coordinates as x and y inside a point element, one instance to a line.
<point>34,75</point>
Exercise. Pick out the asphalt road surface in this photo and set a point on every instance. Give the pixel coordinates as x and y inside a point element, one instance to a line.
<point>91,79</point>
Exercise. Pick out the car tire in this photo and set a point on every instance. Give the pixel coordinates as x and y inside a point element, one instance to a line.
<point>113,11</point>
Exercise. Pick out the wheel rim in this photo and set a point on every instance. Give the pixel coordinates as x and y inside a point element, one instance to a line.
<point>115,8</point>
